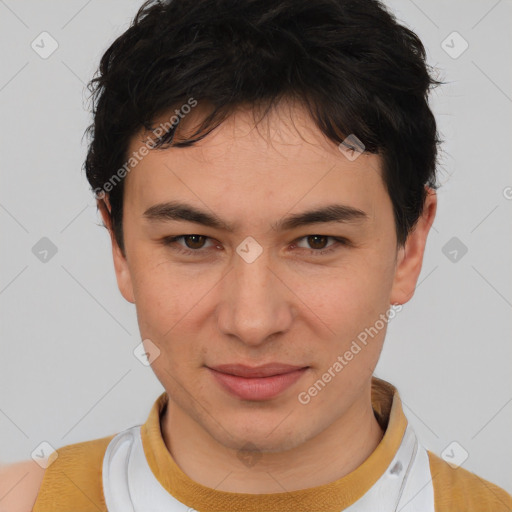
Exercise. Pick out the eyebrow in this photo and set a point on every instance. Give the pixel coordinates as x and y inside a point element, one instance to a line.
<point>179,211</point>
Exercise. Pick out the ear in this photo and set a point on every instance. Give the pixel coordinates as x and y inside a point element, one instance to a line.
<point>123,275</point>
<point>410,257</point>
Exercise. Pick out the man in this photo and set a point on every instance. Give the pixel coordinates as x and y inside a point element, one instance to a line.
<point>266,172</point>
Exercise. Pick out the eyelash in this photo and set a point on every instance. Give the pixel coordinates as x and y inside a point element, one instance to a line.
<point>170,241</point>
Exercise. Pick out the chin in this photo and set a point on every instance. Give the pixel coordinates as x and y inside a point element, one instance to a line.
<point>263,440</point>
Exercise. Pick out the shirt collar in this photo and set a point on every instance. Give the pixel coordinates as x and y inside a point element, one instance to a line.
<point>336,495</point>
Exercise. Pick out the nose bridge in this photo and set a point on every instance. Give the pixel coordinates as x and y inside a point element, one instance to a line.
<point>253,307</point>
<point>252,278</point>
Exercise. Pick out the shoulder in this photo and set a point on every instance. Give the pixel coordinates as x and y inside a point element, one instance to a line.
<point>19,485</point>
<point>71,481</point>
<point>456,488</point>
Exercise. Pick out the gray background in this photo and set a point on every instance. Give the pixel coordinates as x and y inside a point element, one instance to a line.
<point>67,371</point>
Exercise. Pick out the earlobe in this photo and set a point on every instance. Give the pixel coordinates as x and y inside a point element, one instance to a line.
<point>123,275</point>
<point>410,257</point>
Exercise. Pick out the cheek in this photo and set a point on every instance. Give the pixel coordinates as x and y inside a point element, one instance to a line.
<point>165,310</point>
<point>171,299</point>
<point>350,295</point>
<point>353,302</point>
<point>160,297</point>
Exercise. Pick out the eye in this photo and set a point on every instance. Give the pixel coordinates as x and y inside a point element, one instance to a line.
<point>317,243</point>
<point>195,244</point>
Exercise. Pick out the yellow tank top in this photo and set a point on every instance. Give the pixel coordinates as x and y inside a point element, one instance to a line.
<point>73,482</point>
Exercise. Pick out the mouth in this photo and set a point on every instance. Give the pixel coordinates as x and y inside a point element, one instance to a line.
<point>257,383</point>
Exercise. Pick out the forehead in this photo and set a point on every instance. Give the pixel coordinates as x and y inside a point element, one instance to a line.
<point>281,161</point>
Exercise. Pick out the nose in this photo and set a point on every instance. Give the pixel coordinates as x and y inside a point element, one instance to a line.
<point>255,302</point>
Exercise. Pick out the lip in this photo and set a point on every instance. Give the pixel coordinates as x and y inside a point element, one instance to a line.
<point>257,383</point>
<point>265,370</point>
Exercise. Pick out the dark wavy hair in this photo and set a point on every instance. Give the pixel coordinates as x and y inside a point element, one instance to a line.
<point>349,62</point>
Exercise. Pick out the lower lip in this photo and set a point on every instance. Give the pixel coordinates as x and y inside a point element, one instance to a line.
<point>261,388</point>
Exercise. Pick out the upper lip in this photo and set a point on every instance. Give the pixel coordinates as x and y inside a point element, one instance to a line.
<point>265,370</point>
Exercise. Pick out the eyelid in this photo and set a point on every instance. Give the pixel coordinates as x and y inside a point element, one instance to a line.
<point>334,239</point>
<point>170,240</point>
<point>338,241</point>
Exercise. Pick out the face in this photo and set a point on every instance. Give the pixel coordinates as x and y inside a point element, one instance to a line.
<point>264,284</point>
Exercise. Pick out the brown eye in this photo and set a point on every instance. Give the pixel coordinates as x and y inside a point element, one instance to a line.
<point>317,244</point>
<point>188,244</point>
<point>317,241</point>
<point>194,241</point>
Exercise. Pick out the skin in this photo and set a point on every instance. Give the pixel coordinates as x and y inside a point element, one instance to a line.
<point>19,485</point>
<point>289,305</point>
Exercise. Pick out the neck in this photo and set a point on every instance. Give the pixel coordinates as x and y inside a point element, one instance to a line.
<point>355,436</point>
